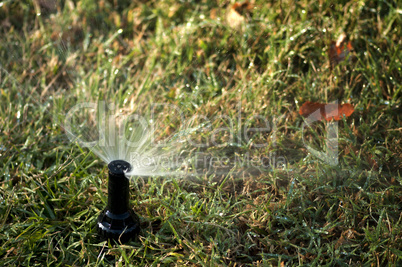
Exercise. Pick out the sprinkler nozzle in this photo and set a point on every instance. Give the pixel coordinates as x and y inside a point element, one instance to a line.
<point>118,222</point>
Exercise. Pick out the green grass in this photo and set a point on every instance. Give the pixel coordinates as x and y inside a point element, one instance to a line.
<point>186,54</point>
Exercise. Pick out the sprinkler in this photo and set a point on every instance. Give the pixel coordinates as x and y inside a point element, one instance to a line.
<point>118,222</point>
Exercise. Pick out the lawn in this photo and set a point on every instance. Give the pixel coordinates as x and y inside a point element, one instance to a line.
<point>264,186</point>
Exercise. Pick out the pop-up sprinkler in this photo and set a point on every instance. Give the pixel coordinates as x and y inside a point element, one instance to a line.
<point>118,222</point>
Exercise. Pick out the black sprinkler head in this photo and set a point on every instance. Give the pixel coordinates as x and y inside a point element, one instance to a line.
<point>118,222</point>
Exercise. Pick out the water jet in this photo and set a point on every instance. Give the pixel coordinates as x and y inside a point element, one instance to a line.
<point>118,221</point>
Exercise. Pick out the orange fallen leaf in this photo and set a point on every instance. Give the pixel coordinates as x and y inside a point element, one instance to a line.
<point>213,14</point>
<point>242,8</point>
<point>339,50</point>
<point>327,111</point>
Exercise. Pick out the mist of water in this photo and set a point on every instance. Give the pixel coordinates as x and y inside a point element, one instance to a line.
<point>118,134</point>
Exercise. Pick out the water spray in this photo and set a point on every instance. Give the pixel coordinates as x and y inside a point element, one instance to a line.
<point>118,222</point>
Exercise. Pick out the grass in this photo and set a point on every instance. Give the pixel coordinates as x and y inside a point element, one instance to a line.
<point>54,55</point>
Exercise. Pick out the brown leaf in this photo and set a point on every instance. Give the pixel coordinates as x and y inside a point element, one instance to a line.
<point>327,111</point>
<point>213,14</point>
<point>339,50</point>
<point>242,8</point>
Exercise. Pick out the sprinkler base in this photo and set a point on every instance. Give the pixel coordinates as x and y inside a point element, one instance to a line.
<point>118,227</point>
<point>118,222</point>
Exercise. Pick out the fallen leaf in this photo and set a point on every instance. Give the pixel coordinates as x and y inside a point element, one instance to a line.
<point>237,13</point>
<point>327,111</point>
<point>339,50</point>
<point>213,14</point>
<point>242,8</point>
